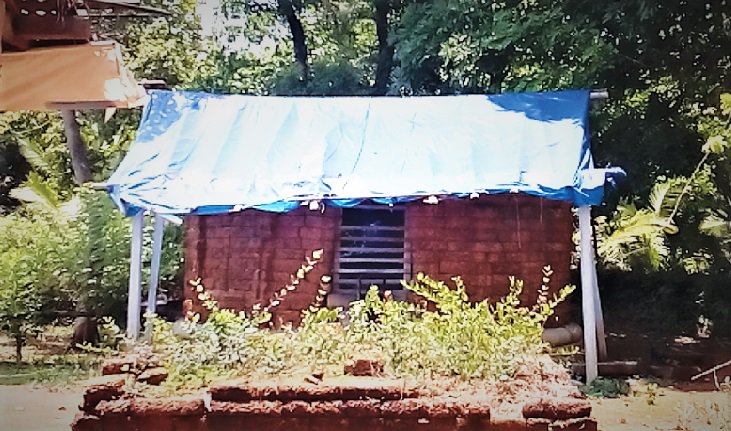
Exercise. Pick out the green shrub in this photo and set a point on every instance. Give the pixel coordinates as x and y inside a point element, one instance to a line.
<point>102,237</point>
<point>56,261</point>
<point>460,338</point>
<point>36,253</point>
<point>457,338</point>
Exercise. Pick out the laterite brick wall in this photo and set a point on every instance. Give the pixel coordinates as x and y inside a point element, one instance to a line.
<point>244,258</point>
<point>487,240</point>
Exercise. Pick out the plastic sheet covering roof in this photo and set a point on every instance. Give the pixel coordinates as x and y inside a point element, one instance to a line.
<point>204,154</point>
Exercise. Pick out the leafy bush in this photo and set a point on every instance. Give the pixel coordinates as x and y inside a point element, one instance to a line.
<point>36,253</point>
<point>457,338</point>
<point>102,235</point>
<point>53,261</point>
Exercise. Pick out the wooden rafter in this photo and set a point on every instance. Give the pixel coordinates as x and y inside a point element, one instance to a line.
<point>34,27</point>
<point>8,35</point>
<point>28,24</point>
<point>117,5</point>
<point>12,7</point>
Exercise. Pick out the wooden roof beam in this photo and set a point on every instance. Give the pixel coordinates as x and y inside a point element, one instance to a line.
<point>11,7</point>
<point>8,35</point>
<point>125,5</point>
<point>34,27</point>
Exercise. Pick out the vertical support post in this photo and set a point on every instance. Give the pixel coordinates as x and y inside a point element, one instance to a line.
<point>135,277</point>
<point>155,264</point>
<point>157,236</point>
<point>77,147</point>
<point>2,24</point>
<point>587,293</point>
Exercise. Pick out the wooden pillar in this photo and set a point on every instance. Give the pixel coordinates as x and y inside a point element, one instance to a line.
<point>2,23</point>
<point>588,308</point>
<point>77,147</point>
<point>135,277</point>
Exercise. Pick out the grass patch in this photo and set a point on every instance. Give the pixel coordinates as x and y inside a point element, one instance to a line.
<point>57,371</point>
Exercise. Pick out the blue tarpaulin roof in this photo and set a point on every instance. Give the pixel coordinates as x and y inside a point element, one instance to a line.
<point>203,153</point>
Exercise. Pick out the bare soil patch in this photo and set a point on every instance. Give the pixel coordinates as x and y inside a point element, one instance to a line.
<point>29,408</point>
<point>673,409</point>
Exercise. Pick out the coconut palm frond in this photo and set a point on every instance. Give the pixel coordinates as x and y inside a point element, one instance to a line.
<point>664,196</point>
<point>716,226</point>
<point>34,154</point>
<point>36,191</point>
<point>655,251</point>
<point>637,236</point>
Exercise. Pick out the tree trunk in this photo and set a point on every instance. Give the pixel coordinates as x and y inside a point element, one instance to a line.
<point>287,9</point>
<point>384,64</point>
<point>77,147</point>
<point>86,331</point>
<point>18,349</point>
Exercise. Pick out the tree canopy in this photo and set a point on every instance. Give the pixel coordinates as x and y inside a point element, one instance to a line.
<point>666,66</point>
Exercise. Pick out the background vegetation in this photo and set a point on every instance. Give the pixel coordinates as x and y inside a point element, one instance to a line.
<point>663,234</point>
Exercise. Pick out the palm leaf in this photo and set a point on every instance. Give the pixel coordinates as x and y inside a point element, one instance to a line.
<point>638,236</point>
<point>36,191</point>
<point>716,226</point>
<point>664,197</point>
<point>33,153</point>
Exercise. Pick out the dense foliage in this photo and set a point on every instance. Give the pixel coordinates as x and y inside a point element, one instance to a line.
<point>36,260</point>
<point>666,67</point>
<point>455,338</point>
<point>54,263</point>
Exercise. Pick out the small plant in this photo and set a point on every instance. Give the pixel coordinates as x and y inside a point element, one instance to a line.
<point>295,279</point>
<point>651,393</point>
<point>110,338</point>
<point>605,387</point>
<point>110,335</point>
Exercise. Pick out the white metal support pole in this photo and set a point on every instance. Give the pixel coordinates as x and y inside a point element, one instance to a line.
<point>587,293</point>
<point>155,264</point>
<point>157,236</point>
<point>135,277</point>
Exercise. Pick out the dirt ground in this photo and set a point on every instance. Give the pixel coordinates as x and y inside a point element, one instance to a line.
<point>28,408</point>
<point>673,409</point>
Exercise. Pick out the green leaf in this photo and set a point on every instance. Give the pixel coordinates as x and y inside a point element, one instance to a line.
<point>726,103</point>
<point>715,145</point>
